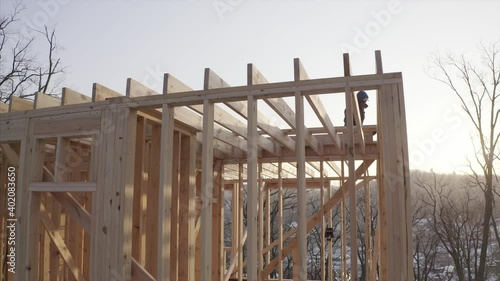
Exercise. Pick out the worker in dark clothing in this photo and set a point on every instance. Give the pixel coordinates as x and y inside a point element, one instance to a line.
<point>362,97</point>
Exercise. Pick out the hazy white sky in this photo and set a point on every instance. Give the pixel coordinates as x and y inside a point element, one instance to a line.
<point>108,41</point>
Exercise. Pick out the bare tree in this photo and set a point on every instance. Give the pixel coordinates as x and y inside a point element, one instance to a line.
<point>455,216</point>
<point>425,242</point>
<point>23,70</point>
<point>476,88</point>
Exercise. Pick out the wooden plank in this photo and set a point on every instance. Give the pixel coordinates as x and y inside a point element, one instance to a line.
<point>174,209</point>
<point>406,175</point>
<point>207,189</point>
<point>280,221</point>
<point>73,208</point>
<point>218,256</point>
<point>61,246</point>
<point>165,193</point>
<point>252,189</point>
<point>73,97</point>
<point>12,130</point>
<point>152,205</point>
<point>173,85</point>
<point>139,273</point>
<point>4,108</point>
<point>241,239</point>
<point>37,151</point>
<point>19,104</point>
<point>301,261</point>
<point>43,101</point>
<point>347,65</point>
<point>62,187</point>
<point>9,154</point>
<point>260,224</point>
<point>136,89</point>
<point>264,91</point>
<point>101,93</point>
<point>187,212</point>
<point>85,125</point>
<point>352,186</point>
<point>124,166</point>
<point>140,150</point>
<point>378,62</point>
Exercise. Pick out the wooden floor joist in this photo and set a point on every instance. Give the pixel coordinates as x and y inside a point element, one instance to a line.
<point>135,185</point>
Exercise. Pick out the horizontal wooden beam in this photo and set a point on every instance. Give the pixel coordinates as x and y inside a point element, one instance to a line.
<point>272,90</point>
<point>62,187</point>
<point>263,91</point>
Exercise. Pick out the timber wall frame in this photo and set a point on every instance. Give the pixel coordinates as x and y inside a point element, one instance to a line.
<point>114,187</point>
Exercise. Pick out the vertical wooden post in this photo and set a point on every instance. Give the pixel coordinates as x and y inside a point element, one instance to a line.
<point>165,192</point>
<point>37,151</point>
<point>217,222</point>
<point>368,228</point>
<point>235,226</point>
<point>323,240</point>
<point>153,192</point>
<point>187,212</point>
<point>207,189</point>
<point>112,205</point>
<point>22,195</point>
<point>138,181</point>
<point>352,182</point>
<point>329,218</point>
<point>240,222</point>
<point>394,170</point>
<point>252,190</point>
<point>300,150</point>
<point>260,225</point>
<point>343,222</point>
<point>174,211</point>
<point>280,220</point>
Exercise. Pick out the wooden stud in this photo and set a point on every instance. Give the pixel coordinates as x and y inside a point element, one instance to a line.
<point>174,209</point>
<point>280,221</point>
<point>207,190</point>
<point>240,223</point>
<point>187,208</point>
<point>252,191</point>
<point>260,224</point>
<point>301,261</point>
<point>36,158</point>
<point>154,201</point>
<point>140,150</point>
